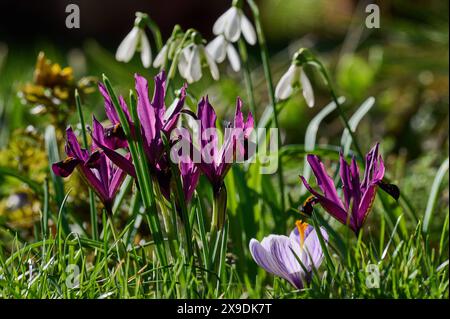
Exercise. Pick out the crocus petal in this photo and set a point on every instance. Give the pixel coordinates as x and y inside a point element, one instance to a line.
<point>65,167</point>
<point>232,29</point>
<point>262,256</point>
<point>307,89</point>
<point>233,57</point>
<point>247,30</point>
<point>284,257</point>
<point>284,86</point>
<point>146,51</point>
<point>217,48</point>
<point>324,181</point>
<point>211,64</point>
<point>312,254</point>
<point>126,49</point>
<point>160,58</point>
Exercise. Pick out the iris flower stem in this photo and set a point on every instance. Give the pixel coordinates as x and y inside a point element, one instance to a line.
<point>169,226</point>
<point>268,76</point>
<point>181,201</point>
<point>92,209</point>
<point>144,178</point>
<point>247,77</point>
<point>143,181</point>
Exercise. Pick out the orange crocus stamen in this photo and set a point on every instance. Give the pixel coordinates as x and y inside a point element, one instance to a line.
<point>301,226</point>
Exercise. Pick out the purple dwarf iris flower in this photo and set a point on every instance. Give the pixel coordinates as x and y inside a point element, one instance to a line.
<point>154,122</point>
<point>190,174</point>
<point>216,162</point>
<point>358,196</point>
<point>280,255</point>
<point>96,169</point>
<point>114,135</point>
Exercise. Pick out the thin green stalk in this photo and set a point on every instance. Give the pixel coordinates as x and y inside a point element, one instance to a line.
<point>156,32</point>
<point>342,115</point>
<point>181,201</point>
<point>268,76</point>
<point>174,64</point>
<point>92,208</point>
<point>323,245</point>
<point>247,77</point>
<point>142,177</point>
<point>146,179</point>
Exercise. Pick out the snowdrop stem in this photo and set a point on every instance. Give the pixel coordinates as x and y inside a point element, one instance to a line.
<point>153,28</point>
<point>305,56</point>
<point>342,115</point>
<point>173,65</point>
<point>247,77</point>
<point>156,33</point>
<point>270,88</point>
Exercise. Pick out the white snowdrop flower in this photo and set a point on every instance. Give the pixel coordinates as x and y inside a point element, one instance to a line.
<point>220,48</point>
<point>191,60</point>
<point>234,22</point>
<point>293,78</point>
<point>160,59</point>
<point>136,40</point>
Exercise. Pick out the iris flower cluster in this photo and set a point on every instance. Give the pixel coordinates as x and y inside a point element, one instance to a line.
<point>105,165</point>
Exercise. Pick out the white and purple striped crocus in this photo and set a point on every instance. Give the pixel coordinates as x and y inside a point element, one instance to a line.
<point>293,258</point>
<point>359,196</point>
